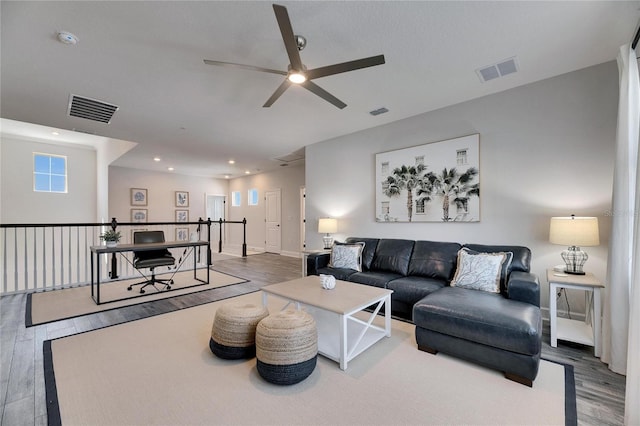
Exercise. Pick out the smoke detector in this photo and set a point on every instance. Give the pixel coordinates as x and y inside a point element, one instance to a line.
<point>67,38</point>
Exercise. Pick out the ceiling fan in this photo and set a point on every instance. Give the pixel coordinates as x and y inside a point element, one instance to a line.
<point>297,73</point>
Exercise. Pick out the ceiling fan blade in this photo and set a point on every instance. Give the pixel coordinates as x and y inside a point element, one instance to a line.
<point>345,67</point>
<point>282,16</point>
<point>245,67</point>
<point>279,91</point>
<point>323,94</point>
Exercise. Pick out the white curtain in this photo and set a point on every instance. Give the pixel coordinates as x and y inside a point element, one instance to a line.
<point>621,320</point>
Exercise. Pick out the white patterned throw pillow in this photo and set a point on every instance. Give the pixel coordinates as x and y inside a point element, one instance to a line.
<point>348,256</point>
<point>479,271</point>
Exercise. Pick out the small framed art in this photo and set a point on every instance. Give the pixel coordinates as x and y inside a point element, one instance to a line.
<point>182,215</point>
<point>138,197</point>
<point>182,234</point>
<point>182,199</point>
<point>138,215</point>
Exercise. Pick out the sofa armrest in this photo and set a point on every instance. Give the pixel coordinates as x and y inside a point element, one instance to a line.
<point>316,261</point>
<point>524,287</point>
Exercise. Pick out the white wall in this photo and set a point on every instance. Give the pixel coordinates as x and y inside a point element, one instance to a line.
<point>20,204</point>
<point>289,180</point>
<point>546,149</point>
<point>161,189</point>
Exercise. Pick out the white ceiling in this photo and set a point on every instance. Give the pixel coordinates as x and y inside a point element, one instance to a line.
<point>147,58</point>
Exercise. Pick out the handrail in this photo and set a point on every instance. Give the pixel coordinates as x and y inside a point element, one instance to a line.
<point>47,256</point>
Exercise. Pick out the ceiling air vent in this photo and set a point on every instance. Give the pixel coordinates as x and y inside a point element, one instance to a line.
<point>508,66</point>
<point>91,109</point>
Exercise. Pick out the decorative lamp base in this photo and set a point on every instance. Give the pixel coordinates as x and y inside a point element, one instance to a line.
<point>574,259</point>
<point>328,242</point>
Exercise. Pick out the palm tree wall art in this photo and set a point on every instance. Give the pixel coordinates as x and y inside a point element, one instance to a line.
<point>434,182</point>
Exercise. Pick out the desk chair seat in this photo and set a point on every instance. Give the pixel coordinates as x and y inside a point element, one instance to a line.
<point>151,259</point>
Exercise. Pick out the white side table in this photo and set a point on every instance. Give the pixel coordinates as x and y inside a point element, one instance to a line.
<point>305,254</point>
<point>574,330</point>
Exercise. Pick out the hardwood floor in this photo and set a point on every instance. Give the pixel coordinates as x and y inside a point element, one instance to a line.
<point>600,393</point>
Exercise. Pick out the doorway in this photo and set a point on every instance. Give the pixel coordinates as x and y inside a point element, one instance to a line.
<point>216,208</point>
<point>273,243</point>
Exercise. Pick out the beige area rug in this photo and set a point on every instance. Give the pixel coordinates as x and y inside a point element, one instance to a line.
<point>160,370</point>
<point>55,305</point>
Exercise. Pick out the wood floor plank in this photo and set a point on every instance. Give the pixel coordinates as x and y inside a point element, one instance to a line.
<point>600,392</point>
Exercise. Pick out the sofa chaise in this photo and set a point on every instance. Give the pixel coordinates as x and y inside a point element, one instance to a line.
<point>499,327</point>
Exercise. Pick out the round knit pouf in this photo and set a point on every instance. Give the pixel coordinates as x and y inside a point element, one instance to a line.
<point>286,347</point>
<point>233,334</point>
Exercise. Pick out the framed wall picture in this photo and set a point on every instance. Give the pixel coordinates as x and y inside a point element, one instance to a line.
<point>434,182</point>
<point>182,234</point>
<point>139,215</point>
<point>138,197</point>
<point>182,215</point>
<point>182,199</point>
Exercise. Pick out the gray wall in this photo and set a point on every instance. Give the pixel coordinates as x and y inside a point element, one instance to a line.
<point>546,149</point>
<point>289,180</point>
<point>21,204</point>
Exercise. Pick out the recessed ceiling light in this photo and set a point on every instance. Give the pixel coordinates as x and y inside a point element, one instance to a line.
<point>232,161</point>
<point>246,172</point>
<point>170,169</point>
<point>226,176</point>
<point>55,133</point>
<point>157,159</point>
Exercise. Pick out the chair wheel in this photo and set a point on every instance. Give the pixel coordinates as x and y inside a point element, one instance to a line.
<point>168,287</point>
<point>170,281</point>
<point>129,288</point>
<point>141,291</point>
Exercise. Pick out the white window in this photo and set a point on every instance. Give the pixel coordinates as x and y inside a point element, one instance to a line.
<point>385,186</point>
<point>420,206</point>
<point>461,157</point>
<point>49,173</point>
<point>385,168</point>
<point>252,197</point>
<point>385,208</point>
<point>236,199</point>
<point>420,160</point>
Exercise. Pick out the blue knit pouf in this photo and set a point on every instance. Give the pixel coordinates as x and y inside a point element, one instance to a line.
<point>234,330</point>
<point>286,347</point>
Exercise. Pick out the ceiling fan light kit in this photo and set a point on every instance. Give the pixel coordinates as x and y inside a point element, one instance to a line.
<point>297,73</point>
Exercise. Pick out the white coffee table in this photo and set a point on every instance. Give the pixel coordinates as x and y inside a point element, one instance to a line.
<point>345,330</point>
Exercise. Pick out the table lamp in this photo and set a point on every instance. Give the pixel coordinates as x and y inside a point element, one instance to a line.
<point>327,225</point>
<point>574,232</point>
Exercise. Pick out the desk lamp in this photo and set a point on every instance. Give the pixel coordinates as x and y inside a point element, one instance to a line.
<point>327,225</point>
<point>574,232</point>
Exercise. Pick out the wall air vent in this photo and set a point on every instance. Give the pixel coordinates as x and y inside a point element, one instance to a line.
<point>508,66</point>
<point>378,111</point>
<point>91,109</point>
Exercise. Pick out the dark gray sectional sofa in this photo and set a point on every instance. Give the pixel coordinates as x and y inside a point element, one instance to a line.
<point>499,330</point>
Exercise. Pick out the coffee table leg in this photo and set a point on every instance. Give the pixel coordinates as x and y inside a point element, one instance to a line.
<point>387,316</point>
<point>343,342</point>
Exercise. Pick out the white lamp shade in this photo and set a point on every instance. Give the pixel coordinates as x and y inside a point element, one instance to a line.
<point>574,231</point>
<point>327,225</point>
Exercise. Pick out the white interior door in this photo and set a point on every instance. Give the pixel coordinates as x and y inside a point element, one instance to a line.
<point>273,243</point>
<point>216,211</point>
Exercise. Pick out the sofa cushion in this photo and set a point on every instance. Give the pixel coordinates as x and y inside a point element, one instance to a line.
<point>370,245</point>
<point>411,289</point>
<point>376,279</point>
<point>521,255</point>
<point>434,259</point>
<point>393,256</point>
<point>340,273</point>
<point>347,256</point>
<point>486,318</point>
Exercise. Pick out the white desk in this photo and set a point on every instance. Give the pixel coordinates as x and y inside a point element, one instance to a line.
<point>574,330</point>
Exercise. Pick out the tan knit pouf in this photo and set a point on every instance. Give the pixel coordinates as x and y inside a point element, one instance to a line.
<point>234,330</point>
<point>286,347</point>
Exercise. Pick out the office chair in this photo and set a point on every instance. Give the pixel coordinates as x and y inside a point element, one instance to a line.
<point>151,259</point>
